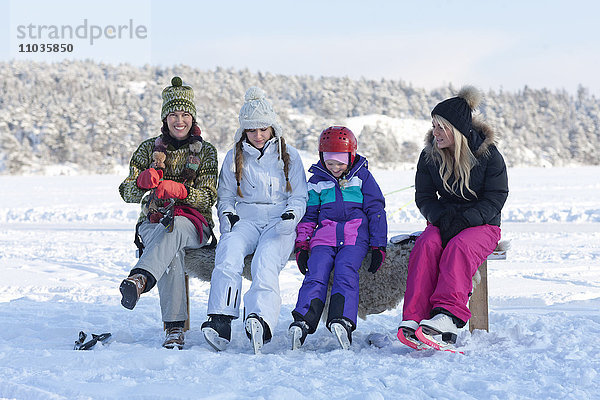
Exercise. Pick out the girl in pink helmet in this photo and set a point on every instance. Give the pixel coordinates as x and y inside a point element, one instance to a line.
<point>345,216</point>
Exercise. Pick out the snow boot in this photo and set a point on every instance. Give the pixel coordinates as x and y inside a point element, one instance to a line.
<point>297,332</point>
<point>342,329</point>
<point>257,331</point>
<point>406,335</point>
<point>439,332</point>
<point>217,331</point>
<point>174,338</point>
<point>131,289</point>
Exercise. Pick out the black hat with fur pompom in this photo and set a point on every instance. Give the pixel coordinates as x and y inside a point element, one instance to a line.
<point>457,110</point>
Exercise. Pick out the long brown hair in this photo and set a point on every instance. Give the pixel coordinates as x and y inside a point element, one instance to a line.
<point>239,163</point>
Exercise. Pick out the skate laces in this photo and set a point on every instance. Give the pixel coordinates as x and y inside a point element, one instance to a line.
<point>174,332</point>
<point>300,324</point>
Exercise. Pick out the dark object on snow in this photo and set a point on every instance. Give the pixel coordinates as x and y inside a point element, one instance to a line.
<point>81,344</point>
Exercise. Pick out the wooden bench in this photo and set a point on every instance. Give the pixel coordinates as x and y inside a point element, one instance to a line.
<point>478,302</point>
<point>378,292</point>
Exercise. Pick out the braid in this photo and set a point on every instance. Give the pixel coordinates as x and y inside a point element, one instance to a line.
<point>239,164</point>
<point>285,156</point>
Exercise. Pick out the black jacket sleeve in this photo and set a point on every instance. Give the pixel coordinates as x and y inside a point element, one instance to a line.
<point>426,195</point>
<point>486,209</point>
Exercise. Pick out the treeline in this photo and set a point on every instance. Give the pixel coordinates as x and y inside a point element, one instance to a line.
<point>92,116</point>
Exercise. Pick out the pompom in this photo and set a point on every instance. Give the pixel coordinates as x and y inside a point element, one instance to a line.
<point>176,81</point>
<point>254,93</point>
<point>194,160</point>
<point>472,96</point>
<point>159,158</point>
<point>196,146</point>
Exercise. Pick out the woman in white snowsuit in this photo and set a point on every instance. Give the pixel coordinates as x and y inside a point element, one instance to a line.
<point>262,195</point>
<point>177,165</point>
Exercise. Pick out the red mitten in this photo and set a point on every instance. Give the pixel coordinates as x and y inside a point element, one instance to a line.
<point>149,178</point>
<point>171,190</point>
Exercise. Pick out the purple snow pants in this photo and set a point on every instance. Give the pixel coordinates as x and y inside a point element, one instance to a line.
<point>442,277</point>
<point>344,291</point>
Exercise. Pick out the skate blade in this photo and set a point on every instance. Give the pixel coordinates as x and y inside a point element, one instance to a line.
<point>256,334</point>
<point>129,294</point>
<point>430,340</point>
<point>295,333</point>
<point>341,335</point>
<point>214,340</point>
<point>407,339</point>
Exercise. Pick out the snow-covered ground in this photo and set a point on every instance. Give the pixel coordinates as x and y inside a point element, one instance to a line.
<point>66,243</point>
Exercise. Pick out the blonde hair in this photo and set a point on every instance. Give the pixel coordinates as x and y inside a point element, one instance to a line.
<point>239,163</point>
<point>458,163</point>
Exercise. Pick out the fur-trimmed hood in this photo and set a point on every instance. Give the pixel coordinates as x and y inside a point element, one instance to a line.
<point>488,180</point>
<point>482,137</point>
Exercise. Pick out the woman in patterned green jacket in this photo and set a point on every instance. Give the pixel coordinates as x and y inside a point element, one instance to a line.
<point>174,174</point>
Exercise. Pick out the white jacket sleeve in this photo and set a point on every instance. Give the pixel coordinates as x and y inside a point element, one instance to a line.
<point>227,188</point>
<point>299,195</point>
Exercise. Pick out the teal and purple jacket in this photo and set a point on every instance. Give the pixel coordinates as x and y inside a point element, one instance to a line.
<point>340,216</point>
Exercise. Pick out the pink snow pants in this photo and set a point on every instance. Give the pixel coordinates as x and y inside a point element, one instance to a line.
<point>442,277</point>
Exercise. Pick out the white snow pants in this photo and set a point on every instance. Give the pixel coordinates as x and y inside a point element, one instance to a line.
<point>163,257</point>
<point>271,252</point>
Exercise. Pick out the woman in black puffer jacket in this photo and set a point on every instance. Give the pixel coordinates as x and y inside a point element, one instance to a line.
<point>461,186</point>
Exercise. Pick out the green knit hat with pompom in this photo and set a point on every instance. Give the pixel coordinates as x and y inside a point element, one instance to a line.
<point>177,97</point>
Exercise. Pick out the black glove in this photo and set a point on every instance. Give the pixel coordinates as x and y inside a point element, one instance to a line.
<point>444,221</point>
<point>233,218</point>
<point>287,215</point>
<point>455,226</point>
<point>377,258</point>
<point>287,225</point>
<point>302,260</point>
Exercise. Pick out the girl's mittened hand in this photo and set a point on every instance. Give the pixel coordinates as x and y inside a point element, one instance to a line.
<point>302,261</point>
<point>377,258</point>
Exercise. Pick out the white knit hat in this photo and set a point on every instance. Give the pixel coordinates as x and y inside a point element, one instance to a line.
<point>257,112</point>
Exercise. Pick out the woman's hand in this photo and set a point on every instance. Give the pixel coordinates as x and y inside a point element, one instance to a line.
<point>149,179</point>
<point>453,228</point>
<point>171,190</point>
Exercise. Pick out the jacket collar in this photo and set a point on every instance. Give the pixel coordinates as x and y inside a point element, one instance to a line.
<point>482,138</point>
<point>269,147</point>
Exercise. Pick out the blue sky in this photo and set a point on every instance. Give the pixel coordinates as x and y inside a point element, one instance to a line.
<point>492,44</point>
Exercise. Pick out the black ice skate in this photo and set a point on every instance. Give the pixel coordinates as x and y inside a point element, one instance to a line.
<point>342,329</point>
<point>257,331</point>
<point>297,332</point>
<point>217,331</point>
